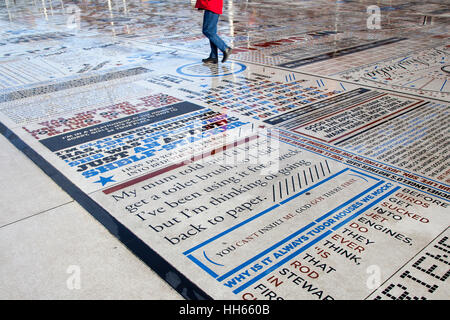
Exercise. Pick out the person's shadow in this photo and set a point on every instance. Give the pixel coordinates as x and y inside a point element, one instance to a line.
<point>216,71</point>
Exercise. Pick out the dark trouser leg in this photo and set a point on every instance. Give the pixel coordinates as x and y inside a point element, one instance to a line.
<point>210,20</point>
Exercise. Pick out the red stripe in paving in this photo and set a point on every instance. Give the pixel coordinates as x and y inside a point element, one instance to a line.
<point>176,165</point>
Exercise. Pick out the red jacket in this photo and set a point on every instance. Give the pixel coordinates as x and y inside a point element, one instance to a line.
<point>211,5</point>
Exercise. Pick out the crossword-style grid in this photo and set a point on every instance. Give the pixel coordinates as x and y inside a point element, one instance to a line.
<point>318,152</point>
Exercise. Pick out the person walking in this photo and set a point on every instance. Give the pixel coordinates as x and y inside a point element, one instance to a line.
<point>213,8</point>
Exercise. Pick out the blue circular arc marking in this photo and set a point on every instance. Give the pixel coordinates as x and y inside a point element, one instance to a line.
<point>180,70</point>
<point>358,177</point>
<point>218,264</point>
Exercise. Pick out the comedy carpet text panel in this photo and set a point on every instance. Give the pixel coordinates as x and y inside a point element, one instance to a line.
<point>257,183</point>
